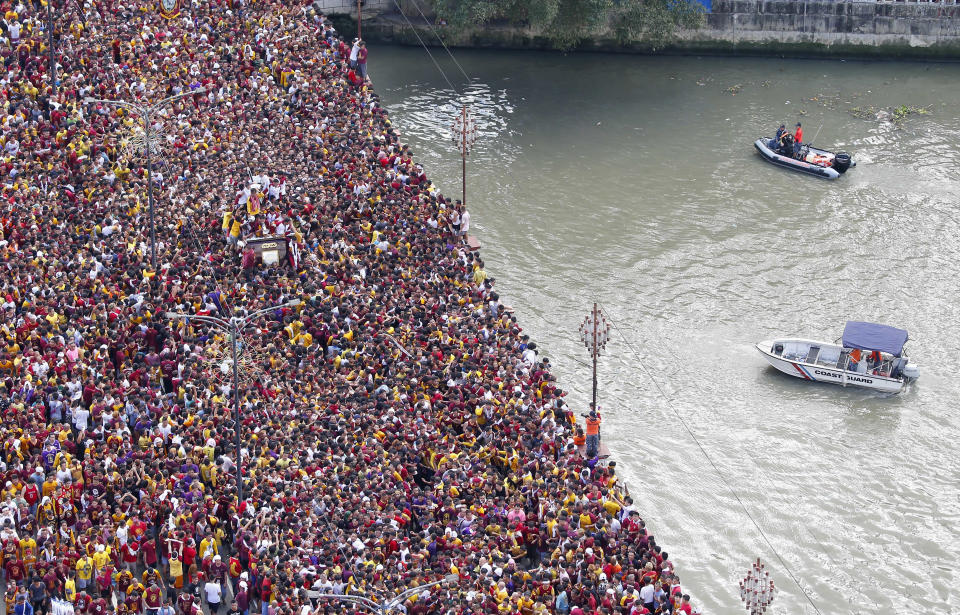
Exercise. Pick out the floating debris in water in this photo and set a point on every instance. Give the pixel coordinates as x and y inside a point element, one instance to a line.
<point>894,115</point>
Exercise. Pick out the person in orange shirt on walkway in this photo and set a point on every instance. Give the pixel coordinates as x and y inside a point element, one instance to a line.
<point>593,432</point>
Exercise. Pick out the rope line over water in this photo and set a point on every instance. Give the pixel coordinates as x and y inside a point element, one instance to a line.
<point>439,38</point>
<point>716,469</point>
<point>425,48</point>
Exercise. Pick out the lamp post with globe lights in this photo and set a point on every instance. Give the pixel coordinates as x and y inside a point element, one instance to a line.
<point>595,333</point>
<point>145,112</point>
<point>757,590</point>
<point>464,137</point>
<point>234,326</point>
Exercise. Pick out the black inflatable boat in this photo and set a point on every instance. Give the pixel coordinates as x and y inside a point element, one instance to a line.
<point>810,160</point>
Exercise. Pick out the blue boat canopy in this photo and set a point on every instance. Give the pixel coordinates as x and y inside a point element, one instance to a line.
<point>871,336</point>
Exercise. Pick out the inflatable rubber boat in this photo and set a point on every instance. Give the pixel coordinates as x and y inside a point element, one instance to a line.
<point>810,160</point>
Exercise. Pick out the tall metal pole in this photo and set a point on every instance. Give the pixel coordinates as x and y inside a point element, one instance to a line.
<point>153,228</point>
<point>596,325</point>
<point>233,326</point>
<point>53,58</point>
<point>236,406</point>
<point>359,18</point>
<point>144,112</point>
<point>595,333</point>
<point>464,137</point>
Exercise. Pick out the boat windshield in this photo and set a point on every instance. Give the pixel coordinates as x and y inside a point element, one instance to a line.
<point>840,358</point>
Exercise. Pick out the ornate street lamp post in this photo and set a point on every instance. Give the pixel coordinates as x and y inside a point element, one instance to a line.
<point>757,590</point>
<point>234,325</point>
<point>145,112</point>
<point>595,333</point>
<point>464,136</point>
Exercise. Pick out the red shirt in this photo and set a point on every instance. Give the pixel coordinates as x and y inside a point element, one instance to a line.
<point>189,555</point>
<point>798,137</point>
<point>153,597</point>
<point>15,570</point>
<point>149,549</point>
<point>98,606</point>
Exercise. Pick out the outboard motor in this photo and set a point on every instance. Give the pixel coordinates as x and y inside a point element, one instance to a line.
<point>911,371</point>
<point>841,162</point>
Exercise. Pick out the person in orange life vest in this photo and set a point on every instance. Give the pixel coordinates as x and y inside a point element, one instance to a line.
<point>579,439</point>
<point>593,432</point>
<point>798,139</point>
<point>854,360</point>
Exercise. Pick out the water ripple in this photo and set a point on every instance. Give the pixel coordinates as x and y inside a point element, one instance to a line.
<point>620,179</point>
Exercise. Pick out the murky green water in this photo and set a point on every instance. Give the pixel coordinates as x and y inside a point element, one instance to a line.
<point>633,181</point>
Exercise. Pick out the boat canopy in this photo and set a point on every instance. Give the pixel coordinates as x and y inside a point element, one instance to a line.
<point>871,336</point>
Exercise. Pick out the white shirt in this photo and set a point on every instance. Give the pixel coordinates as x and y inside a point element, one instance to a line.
<point>646,593</point>
<point>465,221</point>
<point>213,592</point>
<point>80,416</point>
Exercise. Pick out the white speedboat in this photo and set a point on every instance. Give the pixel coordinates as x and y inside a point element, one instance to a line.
<point>869,356</point>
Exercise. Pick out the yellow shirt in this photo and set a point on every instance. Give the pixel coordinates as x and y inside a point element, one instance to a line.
<point>207,544</point>
<point>49,486</point>
<point>84,568</point>
<point>100,558</point>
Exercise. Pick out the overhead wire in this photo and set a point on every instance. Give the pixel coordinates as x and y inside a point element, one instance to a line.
<point>817,540</point>
<point>623,337</point>
<point>425,48</point>
<point>716,468</point>
<point>439,38</point>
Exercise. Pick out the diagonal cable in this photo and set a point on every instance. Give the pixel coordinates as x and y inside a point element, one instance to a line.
<point>425,48</point>
<point>716,469</point>
<point>439,38</point>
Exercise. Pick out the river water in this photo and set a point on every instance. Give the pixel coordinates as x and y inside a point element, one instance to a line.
<point>633,181</point>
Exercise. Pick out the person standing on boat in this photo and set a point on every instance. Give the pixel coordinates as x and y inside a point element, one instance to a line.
<point>798,139</point>
<point>593,432</point>
<point>778,140</point>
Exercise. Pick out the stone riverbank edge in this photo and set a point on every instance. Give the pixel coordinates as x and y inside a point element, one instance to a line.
<point>779,28</point>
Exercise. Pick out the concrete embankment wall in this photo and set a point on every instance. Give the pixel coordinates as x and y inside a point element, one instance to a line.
<point>796,28</point>
<point>826,27</point>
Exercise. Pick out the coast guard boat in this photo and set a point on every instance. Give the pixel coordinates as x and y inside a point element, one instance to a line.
<point>869,356</point>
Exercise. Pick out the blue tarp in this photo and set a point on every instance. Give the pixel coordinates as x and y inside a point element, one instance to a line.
<point>870,336</point>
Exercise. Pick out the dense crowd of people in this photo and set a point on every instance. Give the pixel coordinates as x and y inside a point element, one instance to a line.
<point>398,429</point>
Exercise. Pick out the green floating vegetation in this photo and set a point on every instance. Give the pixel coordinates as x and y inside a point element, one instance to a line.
<point>896,115</point>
